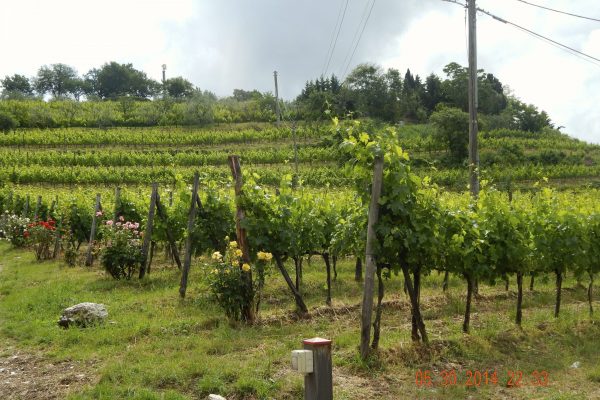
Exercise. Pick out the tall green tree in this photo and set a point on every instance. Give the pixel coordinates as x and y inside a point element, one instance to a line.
<point>369,90</point>
<point>179,88</point>
<point>452,130</point>
<point>114,80</point>
<point>58,80</point>
<point>16,87</point>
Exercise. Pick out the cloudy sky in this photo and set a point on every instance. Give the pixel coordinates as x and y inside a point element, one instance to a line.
<point>224,44</point>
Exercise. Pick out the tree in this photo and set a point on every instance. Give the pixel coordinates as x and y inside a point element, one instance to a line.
<point>179,88</point>
<point>369,90</point>
<point>246,95</point>
<point>8,122</point>
<point>491,97</point>
<point>393,82</point>
<point>114,80</point>
<point>433,94</point>
<point>59,80</point>
<point>526,117</point>
<point>452,129</point>
<point>16,87</point>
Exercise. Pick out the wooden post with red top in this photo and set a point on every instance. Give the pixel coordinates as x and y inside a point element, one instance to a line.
<point>319,384</point>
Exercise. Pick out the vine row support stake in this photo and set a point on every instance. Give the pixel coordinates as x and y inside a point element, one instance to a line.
<point>242,241</point>
<point>26,209</point>
<point>187,259</point>
<point>89,259</point>
<point>117,204</point>
<point>163,216</point>
<point>148,232</point>
<point>371,265</point>
<point>38,205</point>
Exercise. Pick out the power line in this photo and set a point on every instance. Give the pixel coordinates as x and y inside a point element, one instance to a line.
<point>359,38</point>
<point>592,59</point>
<point>456,2</point>
<point>558,11</point>
<point>362,18</point>
<point>333,42</point>
<point>577,53</point>
<point>337,21</point>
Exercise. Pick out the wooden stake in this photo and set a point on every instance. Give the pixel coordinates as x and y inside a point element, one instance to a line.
<point>38,205</point>
<point>163,216</point>
<point>236,172</point>
<point>26,209</point>
<point>187,260</point>
<point>371,265</point>
<point>117,204</point>
<point>89,258</point>
<point>148,232</point>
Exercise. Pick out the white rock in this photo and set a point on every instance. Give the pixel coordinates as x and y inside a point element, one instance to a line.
<point>215,397</point>
<point>83,314</point>
<point>576,364</point>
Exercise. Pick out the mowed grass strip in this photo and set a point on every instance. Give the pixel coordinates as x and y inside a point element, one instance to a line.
<point>156,346</point>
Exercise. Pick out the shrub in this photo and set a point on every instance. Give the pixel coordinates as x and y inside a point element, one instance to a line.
<point>14,229</point>
<point>121,252</point>
<point>227,283</point>
<point>41,236</point>
<point>8,122</point>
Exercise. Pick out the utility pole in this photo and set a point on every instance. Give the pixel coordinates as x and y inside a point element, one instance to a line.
<point>277,109</point>
<point>473,128</point>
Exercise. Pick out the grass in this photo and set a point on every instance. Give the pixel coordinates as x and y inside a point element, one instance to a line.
<point>156,346</point>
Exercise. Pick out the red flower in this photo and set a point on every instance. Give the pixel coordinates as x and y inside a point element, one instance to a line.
<point>26,234</point>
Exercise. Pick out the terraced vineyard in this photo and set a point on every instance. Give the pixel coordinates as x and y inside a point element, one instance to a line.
<point>297,248</point>
<point>138,156</point>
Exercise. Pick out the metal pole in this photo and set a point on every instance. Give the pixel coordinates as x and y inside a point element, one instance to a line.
<point>473,128</point>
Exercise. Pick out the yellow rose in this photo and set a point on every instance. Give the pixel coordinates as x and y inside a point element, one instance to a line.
<point>238,253</point>
<point>246,267</point>
<point>264,256</point>
<point>233,244</point>
<point>217,256</point>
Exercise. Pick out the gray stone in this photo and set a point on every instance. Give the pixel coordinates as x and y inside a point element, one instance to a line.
<point>215,397</point>
<point>83,314</point>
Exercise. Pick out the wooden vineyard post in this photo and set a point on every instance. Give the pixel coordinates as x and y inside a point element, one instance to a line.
<point>187,259</point>
<point>371,265</point>
<point>57,234</point>
<point>57,238</point>
<point>38,205</point>
<point>242,241</point>
<point>117,204</point>
<point>53,206</point>
<point>163,216</point>
<point>148,233</point>
<point>26,209</point>
<point>89,259</point>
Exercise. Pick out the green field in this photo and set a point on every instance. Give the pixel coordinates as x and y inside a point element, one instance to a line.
<point>538,217</point>
<point>156,346</point>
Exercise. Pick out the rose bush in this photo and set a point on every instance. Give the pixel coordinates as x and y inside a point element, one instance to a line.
<point>121,250</point>
<point>226,281</point>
